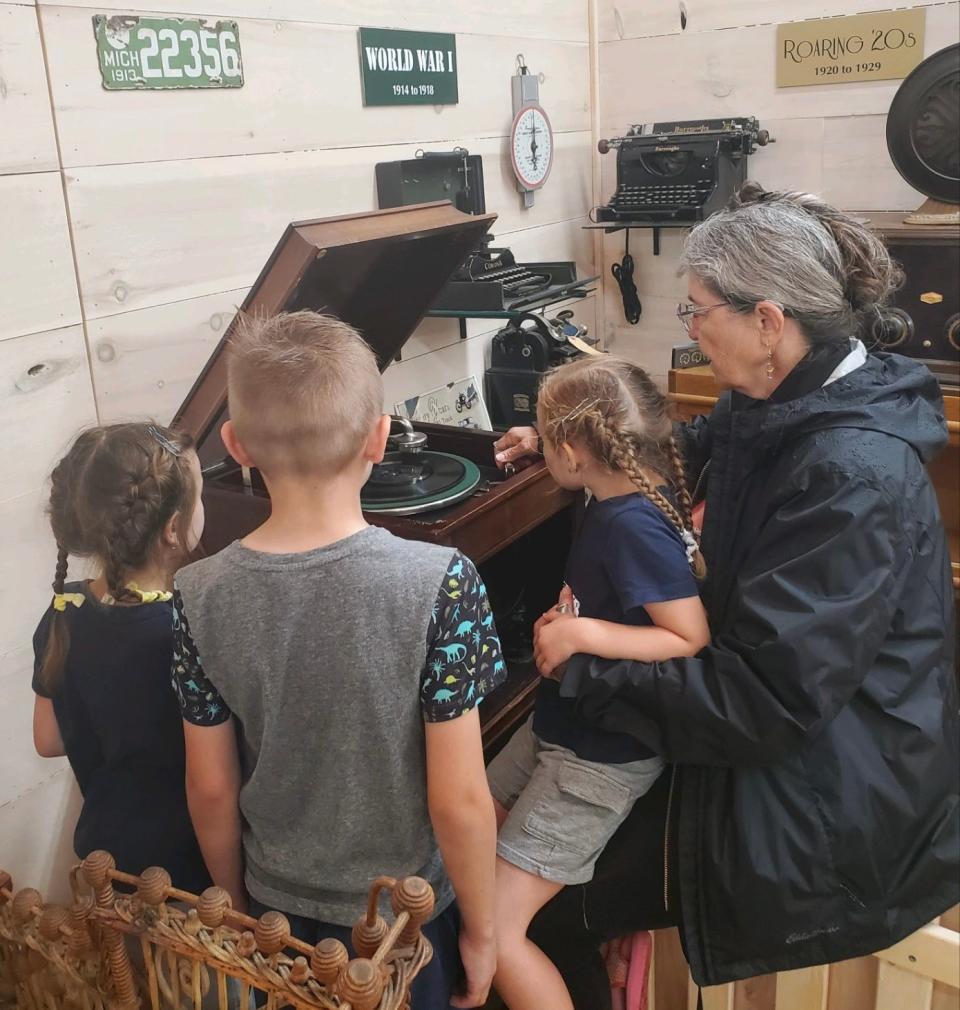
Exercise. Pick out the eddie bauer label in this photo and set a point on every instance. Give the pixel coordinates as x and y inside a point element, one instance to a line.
<point>864,47</point>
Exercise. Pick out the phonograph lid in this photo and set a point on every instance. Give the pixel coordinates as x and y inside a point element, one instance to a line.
<point>379,272</point>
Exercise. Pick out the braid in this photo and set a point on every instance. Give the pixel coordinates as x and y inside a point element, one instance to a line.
<point>680,481</point>
<point>621,454</point>
<point>697,562</point>
<point>58,639</point>
<point>60,575</point>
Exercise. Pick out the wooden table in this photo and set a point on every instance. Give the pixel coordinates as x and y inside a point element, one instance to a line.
<point>694,391</point>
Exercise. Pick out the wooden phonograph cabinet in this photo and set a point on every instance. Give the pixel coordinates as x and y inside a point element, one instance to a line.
<point>380,272</point>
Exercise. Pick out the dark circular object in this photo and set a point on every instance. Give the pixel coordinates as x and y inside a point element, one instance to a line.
<point>891,327</point>
<point>953,331</point>
<point>406,483</point>
<point>923,126</point>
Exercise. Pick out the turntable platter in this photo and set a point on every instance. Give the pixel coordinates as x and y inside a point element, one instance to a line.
<point>406,483</point>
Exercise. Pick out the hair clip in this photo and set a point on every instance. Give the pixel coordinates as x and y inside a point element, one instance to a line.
<point>60,600</point>
<point>150,595</point>
<point>690,542</point>
<point>581,408</point>
<point>158,436</point>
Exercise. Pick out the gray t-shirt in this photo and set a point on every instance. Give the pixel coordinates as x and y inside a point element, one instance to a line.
<point>330,661</point>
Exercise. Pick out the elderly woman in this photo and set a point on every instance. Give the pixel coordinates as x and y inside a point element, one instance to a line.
<point>812,812</point>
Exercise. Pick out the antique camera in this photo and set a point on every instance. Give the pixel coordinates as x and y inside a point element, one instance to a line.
<point>679,171</point>
<point>520,353</point>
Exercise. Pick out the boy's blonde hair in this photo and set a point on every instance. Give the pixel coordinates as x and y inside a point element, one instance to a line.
<point>613,409</point>
<point>304,391</point>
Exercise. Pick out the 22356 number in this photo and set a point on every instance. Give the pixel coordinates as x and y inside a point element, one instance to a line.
<point>215,54</point>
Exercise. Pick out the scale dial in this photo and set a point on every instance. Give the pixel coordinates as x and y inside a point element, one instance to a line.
<point>531,146</point>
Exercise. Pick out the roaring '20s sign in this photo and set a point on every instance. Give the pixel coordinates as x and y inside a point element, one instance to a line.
<point>864,47</point>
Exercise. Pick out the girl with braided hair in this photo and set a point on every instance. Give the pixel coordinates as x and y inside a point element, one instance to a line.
<point>562,788</point>
<point>126,497</point>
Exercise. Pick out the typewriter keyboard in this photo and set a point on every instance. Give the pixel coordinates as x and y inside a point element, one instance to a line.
<point>517,280</point>
<point>630,197</point>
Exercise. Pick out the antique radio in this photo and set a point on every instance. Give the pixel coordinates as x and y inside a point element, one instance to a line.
<point>679,172</point>
<point>379,272</point>
<point>923,319</point>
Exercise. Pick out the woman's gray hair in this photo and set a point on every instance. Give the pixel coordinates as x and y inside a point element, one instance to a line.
<point>823,266</point>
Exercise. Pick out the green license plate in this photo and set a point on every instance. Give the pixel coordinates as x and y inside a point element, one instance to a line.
<point>138,53</point>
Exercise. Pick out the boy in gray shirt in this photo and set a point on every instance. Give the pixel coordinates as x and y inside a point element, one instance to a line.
<point>329,672</point>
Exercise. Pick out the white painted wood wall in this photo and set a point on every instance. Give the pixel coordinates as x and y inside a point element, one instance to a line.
<point>829,138</point>
<point>132,224</point>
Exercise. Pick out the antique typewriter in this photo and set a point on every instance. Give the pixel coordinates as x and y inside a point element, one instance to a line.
<point>490,279</point>
<point>672,173</point>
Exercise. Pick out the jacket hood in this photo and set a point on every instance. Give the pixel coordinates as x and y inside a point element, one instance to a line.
<point>889,393</point>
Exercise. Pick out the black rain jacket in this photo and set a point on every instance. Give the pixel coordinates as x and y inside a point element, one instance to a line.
<point>815,740</point>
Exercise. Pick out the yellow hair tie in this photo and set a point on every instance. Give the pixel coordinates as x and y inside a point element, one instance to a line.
<point>150,595</point>
<point>60,600</point>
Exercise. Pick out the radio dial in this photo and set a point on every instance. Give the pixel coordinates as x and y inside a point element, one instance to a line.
<point>892,327</point>
<point>953,331</point>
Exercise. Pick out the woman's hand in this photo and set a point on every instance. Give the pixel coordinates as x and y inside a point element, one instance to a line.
<point>556,638</point>
<point>518,447</point>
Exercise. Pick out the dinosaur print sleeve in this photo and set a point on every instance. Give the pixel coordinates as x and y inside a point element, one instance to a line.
<point>200,701</point>
<point>464,662</point>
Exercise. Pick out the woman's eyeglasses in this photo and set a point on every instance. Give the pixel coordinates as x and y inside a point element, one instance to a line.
<point>687,310</point>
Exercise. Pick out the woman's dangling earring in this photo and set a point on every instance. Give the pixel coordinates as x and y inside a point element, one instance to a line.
<point>770,364</point>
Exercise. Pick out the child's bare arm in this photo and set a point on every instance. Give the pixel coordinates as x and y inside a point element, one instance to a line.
<point>213,788</point>
<point>680,629</point>
<point>461,810</point>
<point>46,729</point>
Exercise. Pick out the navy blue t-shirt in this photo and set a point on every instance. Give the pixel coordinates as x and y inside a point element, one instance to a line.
<point>627,554</point>
<point>121,728</point>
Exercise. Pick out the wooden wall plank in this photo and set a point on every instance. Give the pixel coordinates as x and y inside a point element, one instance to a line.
<point>45,398</point>
<point>562,20</point>
<point>22,766</point>
<point>208,225</point>
<point>732,73</point>
<point>620,19</point>
<point>852,985</point>
<point>301,92</point>
<point>898,989</point>
<point>145,362</point>
<point>38,289</point>
<point>40,857</point>
<point>857,171</point>
<point>27,142</point>
<point>804,989</point>
<point>27,564</point>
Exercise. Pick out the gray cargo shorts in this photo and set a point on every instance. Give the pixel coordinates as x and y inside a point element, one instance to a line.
<point>562,810</point>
